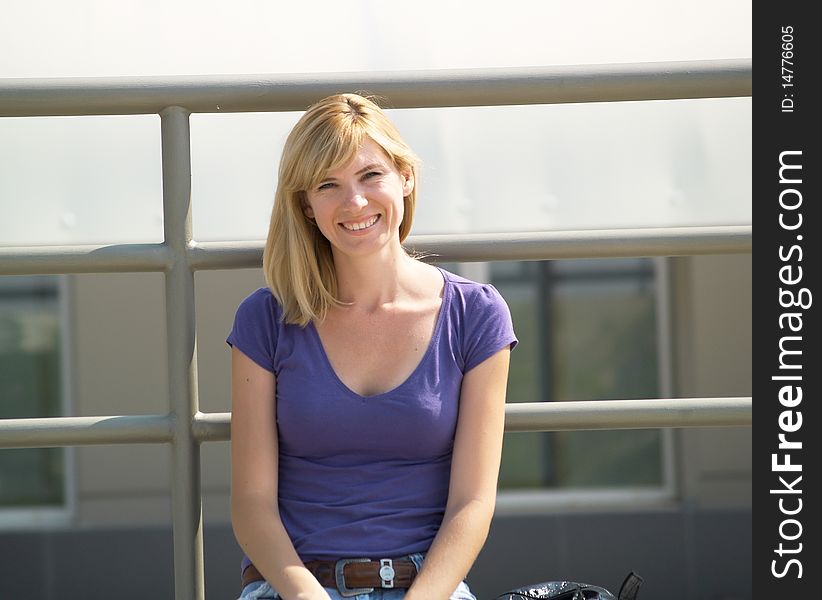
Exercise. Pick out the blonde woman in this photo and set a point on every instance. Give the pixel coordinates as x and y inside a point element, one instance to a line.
<point>368,387</point>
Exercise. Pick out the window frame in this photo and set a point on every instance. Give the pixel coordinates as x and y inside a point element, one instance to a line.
<point>513,502</point>
<point>47,517</point>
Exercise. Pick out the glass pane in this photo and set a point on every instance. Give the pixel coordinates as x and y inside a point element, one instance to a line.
<point>587,331</point>
<point>523,457</point>
<point>80,180</point>
<point>30,386</point>
<point>605,349</point>
<point>657,164</point>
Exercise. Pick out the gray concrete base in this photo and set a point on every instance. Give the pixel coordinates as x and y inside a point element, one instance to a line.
<point>682,555</point>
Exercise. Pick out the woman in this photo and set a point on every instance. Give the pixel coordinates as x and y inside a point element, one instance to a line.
<point>368,388</point>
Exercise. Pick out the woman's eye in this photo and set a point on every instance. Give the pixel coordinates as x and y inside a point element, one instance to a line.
<point>371,174</point>
<point>325,186</point>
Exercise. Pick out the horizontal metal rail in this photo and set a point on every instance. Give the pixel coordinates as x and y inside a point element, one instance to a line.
<point>672,241</point>
<point>629,414</point>
<point>409,89</point>
<point>114,258</point>
<point>54,432</point>
<point>610,243</point>
<point>525,416</point>
<point>542,245</point>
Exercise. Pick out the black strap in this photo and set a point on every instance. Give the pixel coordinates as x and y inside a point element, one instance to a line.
<point>630,587</point>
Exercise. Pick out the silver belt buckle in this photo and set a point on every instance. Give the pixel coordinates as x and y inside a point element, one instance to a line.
<point>387,572</point>
<point>339,577</point>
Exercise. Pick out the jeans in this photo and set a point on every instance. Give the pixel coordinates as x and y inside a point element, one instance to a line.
<point>260,590</point>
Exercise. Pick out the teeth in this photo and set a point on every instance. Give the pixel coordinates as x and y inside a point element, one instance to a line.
<point>363,225</point>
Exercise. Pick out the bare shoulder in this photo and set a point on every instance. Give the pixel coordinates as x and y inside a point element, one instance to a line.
<point>428,281</point>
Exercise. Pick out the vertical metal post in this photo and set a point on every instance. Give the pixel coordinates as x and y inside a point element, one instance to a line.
<point>187,517</point>
<point>546,284</point>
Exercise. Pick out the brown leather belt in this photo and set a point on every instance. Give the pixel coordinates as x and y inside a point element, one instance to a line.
<point>352,576</point>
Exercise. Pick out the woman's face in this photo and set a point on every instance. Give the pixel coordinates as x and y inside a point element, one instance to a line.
<point>359,207</point>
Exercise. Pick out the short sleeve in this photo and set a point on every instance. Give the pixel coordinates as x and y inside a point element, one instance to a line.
<point>489,328</point>
<point>254,332</point>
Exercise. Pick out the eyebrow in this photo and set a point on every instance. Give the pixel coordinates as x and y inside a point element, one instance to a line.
<point>360,172</point>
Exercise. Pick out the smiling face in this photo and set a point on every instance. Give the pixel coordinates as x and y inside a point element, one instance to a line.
<point>359,207</point>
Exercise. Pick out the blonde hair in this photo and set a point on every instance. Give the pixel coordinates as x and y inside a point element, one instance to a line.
<point>297,260</point>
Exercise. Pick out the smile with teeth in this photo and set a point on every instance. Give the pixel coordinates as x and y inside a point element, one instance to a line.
<point>361,225</point>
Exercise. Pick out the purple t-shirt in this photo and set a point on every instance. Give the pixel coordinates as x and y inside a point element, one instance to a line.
<point>368,476</point>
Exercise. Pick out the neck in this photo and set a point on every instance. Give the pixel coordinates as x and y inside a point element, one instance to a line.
<point>373,281</point>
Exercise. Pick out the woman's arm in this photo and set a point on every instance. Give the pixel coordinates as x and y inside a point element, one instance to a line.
<point>254,509</point>
<point>473,486</point>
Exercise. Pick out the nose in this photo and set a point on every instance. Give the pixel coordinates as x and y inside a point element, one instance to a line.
<point>356,199</point>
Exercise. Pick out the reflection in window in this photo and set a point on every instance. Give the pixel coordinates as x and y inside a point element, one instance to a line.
<point>30,386</point>
<point>587,331</point>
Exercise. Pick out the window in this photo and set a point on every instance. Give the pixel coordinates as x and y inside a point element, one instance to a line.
<point>588,331</point>
<point>31,385</point>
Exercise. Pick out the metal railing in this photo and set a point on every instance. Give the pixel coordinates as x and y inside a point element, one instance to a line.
<point>184,427</point>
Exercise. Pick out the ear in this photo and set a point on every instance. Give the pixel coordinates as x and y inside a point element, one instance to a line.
<point>407,182</point>
<point>307,210</point>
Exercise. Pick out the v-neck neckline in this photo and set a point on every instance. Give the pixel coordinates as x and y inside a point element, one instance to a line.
<point>446,297</point>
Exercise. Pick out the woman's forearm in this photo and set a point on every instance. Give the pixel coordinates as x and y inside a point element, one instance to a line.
<point>263,538</point>
<point>453,551</point>
<point>473,483</point>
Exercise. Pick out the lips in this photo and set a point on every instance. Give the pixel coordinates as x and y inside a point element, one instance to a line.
<point>361,225</point>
